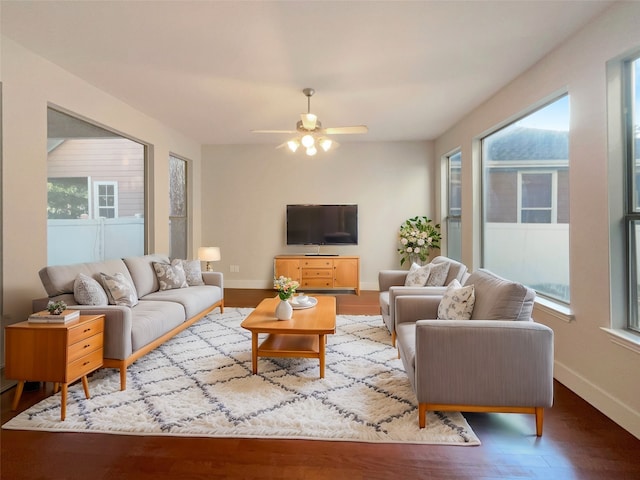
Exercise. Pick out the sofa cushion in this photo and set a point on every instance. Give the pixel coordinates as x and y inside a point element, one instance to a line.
<point>87,291</point>
<point>457,270</point>
<point>418,275</point>
<point>171,275</point>
<point>193,299</point>
<point>142,272</point>
<point>120,289</point>
<point>59,279</point>
<point>193,272</point>
<point>438,274</point>
<point>151,320</point>
<point>500,299</point>
<point>457,302</point>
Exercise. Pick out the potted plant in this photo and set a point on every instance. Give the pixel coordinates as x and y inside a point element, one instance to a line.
<point>418,236</point>
<point>56,308</point>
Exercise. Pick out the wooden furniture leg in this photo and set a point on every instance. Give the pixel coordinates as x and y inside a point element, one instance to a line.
<point>422,415</point>
<point>85,386</point>
<point>254,352</point>
<point>63,402</point>
<point>321,353</point>
<point>18,394</point>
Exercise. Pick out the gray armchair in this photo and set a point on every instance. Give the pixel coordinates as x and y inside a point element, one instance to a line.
<point>499,361</point>
<point>391,285</point>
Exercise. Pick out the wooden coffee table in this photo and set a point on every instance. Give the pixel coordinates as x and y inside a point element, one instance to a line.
<point>302,336</point>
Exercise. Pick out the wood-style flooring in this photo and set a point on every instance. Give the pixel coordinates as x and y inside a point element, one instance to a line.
<point>578,443</point>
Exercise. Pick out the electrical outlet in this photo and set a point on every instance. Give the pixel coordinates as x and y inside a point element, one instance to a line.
<point>234,268</point>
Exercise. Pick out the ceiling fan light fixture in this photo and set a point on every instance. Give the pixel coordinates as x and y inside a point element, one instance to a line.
<point>325,144</point>
<point>311,151</point>
<point>293,145</point>
<point>309,121</point>
<point>307,141</point>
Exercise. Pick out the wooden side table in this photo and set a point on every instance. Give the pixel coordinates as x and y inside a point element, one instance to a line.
<point>51,352</point>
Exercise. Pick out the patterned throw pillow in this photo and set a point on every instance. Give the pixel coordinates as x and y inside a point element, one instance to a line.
<point>438,275</point>
<point>88,291</point>
<point>457,302</point>
<point>417,276</point>
<point>192,272</point>
<point>119,289</point>
<point>170,276</point>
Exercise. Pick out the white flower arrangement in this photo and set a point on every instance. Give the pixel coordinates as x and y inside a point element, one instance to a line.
<point>285,287</point>
<point>418,236</point>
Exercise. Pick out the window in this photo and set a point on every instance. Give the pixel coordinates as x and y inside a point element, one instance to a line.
<point>632,191</point>
<point>106,199</point>
<point>536,197</point>
<point>525,220</point>
<point>95,198</point>
<point>178,207</point>
<point>454,206</point>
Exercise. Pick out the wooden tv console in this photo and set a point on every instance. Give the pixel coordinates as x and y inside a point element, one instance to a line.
<point>319,272</point>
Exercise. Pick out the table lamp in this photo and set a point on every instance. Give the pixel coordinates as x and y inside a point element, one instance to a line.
<point>209,254</point>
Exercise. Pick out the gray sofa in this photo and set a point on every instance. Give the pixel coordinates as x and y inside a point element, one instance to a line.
<point>131,332</point>
<point>391,284</point>
<point>500,360</point>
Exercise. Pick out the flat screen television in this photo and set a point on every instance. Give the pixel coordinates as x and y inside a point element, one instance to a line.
<point>322,224</point>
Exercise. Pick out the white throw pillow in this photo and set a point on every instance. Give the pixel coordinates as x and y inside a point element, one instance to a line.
<point>170,276</point>
<point>119,290</point>
<point>417,276</point>
<point>457,302</point>
<point>438,274</point>
<point>193,272</point>
<point>88,291</point>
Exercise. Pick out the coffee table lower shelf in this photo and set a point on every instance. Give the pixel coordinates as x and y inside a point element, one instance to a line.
<point>290,346</point>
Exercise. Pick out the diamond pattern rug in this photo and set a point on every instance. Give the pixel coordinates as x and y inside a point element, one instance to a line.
<point>200,384</point>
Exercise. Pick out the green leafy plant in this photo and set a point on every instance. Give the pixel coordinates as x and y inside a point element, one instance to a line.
<point>285,287</point>
<point>56,308</point>
<point>418,236</point>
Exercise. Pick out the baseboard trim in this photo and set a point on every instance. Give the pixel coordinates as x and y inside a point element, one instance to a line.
<point>619,412</point>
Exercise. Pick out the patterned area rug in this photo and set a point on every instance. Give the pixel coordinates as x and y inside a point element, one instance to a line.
<point>200,384</point>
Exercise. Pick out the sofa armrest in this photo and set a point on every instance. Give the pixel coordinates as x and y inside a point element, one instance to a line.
<point>389,278</point>
<point>411,308</point>
<point>213,278</point>
<point>484,362</point>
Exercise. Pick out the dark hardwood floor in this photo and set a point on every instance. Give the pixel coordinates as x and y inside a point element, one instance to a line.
<point>578,443</point>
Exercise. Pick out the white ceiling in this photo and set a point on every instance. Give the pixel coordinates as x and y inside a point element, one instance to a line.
<point>215,70</point>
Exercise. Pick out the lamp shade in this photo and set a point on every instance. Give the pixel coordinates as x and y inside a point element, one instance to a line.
<point>209,254</point>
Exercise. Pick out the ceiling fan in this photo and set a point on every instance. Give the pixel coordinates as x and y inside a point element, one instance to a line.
<point>311,134</point>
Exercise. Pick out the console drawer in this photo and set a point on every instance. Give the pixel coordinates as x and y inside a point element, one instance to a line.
<point>317,273</point>
<point>317,263</point>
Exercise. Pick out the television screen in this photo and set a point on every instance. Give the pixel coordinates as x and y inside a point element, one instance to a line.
<point>322,224</point>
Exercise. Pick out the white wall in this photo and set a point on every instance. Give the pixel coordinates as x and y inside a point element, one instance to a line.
<point>30,83</point>
<point>246,188</point>
<point>604,373</point>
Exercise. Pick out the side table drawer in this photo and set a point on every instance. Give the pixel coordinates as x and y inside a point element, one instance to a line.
<point>84,365</point>
<point>85,330</point>
<point>85,346</point>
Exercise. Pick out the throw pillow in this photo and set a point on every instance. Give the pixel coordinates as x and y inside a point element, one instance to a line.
<point>119,289</point>
<point>457,302</point>
<point>170,276</point>
<point>192,272</point>
<point>88,291</point>
<point>417,276</point>
<point>438,274</point>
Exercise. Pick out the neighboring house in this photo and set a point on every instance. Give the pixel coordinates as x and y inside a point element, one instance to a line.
<point>527,172</point>
<point>108,173</point>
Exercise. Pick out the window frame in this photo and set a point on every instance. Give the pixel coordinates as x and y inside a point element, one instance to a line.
<point>552,302</point>
<point>450,216</point>
<point>554,195</point>
<point>96,196</point>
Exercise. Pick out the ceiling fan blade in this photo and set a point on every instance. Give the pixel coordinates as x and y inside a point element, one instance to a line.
<point>346,130</point>
<point>273,131</point>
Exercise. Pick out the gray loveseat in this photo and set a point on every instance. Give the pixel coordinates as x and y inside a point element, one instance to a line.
<point>499,360</point>
<point>392,284</point>
<point>131,332</point>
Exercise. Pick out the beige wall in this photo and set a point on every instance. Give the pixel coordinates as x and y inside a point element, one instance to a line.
<point>606,374</point>
<point>246,188</point>
<point>30,83</point>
